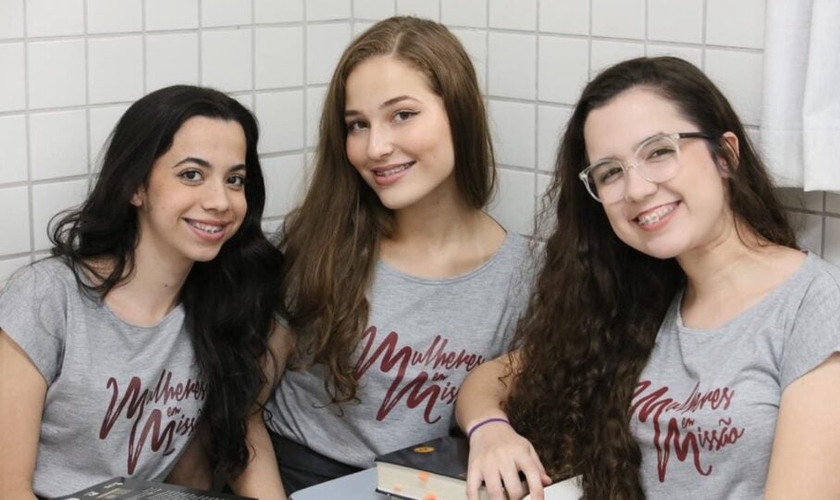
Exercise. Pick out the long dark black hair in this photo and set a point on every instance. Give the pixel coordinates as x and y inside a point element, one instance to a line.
<point>228,301</point>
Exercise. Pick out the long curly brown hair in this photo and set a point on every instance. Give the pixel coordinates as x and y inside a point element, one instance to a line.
<point>331,240</point>
<point>598,303</point>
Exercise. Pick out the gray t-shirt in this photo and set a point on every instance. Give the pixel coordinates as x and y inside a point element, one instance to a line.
<point>704,412</point>
<point>423,337</point>
<point>122,400</point>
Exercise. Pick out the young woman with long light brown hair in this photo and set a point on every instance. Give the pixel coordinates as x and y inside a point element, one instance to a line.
<point>397,282</point>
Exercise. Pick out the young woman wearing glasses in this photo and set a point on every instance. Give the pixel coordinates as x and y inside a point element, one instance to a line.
<point>692,347</point>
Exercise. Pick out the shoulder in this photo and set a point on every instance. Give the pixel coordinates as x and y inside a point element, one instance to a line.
<point>814,332</point>
<point>819,283</point>
<point>48,275</point>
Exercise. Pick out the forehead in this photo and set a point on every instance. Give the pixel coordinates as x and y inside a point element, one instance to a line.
<point>618,127</point>
<point>380,78</point>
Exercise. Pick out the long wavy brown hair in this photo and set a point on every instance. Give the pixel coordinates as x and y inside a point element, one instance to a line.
<point>598,303</point>
<point>331,240</point>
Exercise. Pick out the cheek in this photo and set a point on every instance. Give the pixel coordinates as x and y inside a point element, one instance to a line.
<point>354,148</point>
<point>621,226</point>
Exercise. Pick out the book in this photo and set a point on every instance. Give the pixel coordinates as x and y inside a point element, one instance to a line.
<point>437,470</point>
<point>433,470</point>
<point>135,489</point>
<point>568,489</point>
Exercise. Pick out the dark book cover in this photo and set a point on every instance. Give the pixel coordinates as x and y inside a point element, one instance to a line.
<point>446,456</point>
<point>135,489</point>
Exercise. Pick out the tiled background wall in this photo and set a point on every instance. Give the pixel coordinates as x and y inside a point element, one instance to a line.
<point>69,68</point>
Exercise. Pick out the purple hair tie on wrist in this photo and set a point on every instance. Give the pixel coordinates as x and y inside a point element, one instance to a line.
<point>483,422</point>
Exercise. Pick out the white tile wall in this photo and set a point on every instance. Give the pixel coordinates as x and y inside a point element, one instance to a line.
<point>735,24</point>
<point>671,21</point>
<point>16,232</point>
<point>48,200</point>
<point>472,13</point>
<point>327,10</point>
<point>738,74</point>
<point>272,11</point>
<point>551,121</point>
<point>169,15</point>
<point>70,68</point>
<point>512,65</point>
<point>13,84</point>
<point>421,8</point>
<point>373,9</point>
<point>56,73</point>
<point>514,132</point>
<point>11,22</point>
<point>279,57</point>
<point>13,146</point>
<point>226,59</point>
<point>102,121</point>
<point>514,204</point>
<point>284,178</point>
<point>314,104</point>
<point>171,58</point>
<point>324,45</point>
<point>114,16</point>
<point>58,144</point>
<point>475,43</point>
<point>513,14</point>
<point>225,13</point>
<point>55,17</point>
<point>115,69</point>
<point>569,17</point>
<point>281,121</point>
<point>563,80</point>
<point>619,18</point>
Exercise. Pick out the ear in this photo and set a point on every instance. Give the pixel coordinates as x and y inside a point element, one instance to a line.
<point>139,198</point>
<point>731,156</point>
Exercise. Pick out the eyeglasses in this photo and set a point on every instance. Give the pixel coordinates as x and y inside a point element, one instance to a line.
<point>656,160</point>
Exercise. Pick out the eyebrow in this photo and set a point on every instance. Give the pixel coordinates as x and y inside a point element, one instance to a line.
<point>389,102</point>
<point>635,147</point>
<point>204,163</point>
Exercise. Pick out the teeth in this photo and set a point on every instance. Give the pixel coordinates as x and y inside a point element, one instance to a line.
<point>655,216</point>
<point>391,171</point>
<point>207,228</point>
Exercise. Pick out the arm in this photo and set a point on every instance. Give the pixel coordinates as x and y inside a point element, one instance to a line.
<point>192,468</point>
<point>806,448</point>
<point>497,452</point>
<point>22,393</point>
<point>261,477</point>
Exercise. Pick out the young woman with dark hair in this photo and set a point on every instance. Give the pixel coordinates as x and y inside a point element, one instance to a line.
<point>152,317</point>
<point>397,282</point>
<point>677,343</point>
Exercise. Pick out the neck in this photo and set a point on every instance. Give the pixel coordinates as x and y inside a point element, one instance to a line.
<point>435,226</point>
<point>153,289</point>
<point>730,265</point>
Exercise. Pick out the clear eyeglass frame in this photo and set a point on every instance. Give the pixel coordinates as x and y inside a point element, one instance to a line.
<point>641,165</point>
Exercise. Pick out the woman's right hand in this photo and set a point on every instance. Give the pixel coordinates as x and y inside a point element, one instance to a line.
<point>497,456</point>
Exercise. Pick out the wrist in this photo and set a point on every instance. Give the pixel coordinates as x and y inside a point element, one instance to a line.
<point>486,421</point>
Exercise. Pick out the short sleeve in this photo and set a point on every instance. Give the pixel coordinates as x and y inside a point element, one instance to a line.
<point>815,334</point>
<point>520,287</point>
<point>32,313</point>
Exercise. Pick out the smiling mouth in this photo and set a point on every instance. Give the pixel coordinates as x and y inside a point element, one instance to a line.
<point>393,170</point>
<point>207,228</point>
<point>656,215</point>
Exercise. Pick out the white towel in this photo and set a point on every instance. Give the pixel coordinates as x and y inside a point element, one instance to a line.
<point>800,122</point>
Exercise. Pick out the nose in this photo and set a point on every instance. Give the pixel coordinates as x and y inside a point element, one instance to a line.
<point>216,196</point>
<point>637,187</point>
<point>379,143</point>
